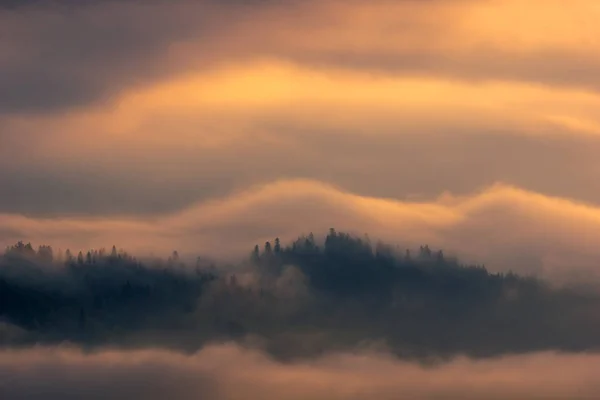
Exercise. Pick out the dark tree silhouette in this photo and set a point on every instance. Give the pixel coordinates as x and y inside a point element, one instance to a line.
<point>255,256</point>
<point>68,256</point>
<point>300,300</point>
<point>277,247</point>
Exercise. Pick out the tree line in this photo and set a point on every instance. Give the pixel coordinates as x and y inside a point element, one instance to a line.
<point>297,300</point>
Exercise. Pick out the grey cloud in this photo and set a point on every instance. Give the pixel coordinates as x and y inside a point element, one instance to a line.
<point>14,4</point>
<point>57,58</point>
<point>96,377</point>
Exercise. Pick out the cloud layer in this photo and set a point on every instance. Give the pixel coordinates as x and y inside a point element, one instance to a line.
<point>474,41</point>
<point>127,108</point>
<point>230,372</point>
<point>504,227</point>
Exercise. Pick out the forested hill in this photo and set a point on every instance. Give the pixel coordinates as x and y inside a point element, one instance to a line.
<point>295,301</point>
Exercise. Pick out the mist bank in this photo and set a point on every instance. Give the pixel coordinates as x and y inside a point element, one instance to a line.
<point>503,226</point>
<point>230,372</point>
<point>302,300</point>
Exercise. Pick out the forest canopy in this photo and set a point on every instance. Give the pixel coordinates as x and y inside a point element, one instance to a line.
<point>299,300</point>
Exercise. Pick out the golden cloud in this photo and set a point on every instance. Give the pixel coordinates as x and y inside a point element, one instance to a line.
<point>503,226</point>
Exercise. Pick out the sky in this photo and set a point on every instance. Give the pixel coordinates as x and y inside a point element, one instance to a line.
<point>209,126</point>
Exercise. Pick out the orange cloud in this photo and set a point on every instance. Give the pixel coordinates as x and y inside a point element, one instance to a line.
<point>504,227</point>
<point>538,41</point>
<point>214,108</point>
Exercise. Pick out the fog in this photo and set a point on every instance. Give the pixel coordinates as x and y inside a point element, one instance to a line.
<point>231,372</point>
<point>315,295</point>
<point>506,228</point>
